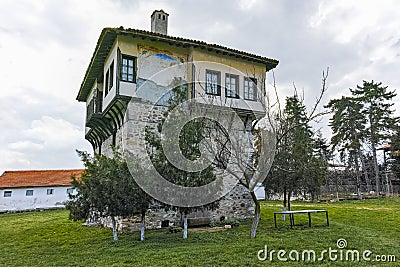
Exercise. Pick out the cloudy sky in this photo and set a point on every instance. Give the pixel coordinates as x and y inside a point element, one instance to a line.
<point>46,46</point>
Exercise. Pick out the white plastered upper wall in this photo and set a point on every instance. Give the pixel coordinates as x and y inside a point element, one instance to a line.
<point>201,60</point>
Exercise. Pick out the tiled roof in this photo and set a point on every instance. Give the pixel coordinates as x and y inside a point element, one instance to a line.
<point>37,178</point>
<point>108,36</point>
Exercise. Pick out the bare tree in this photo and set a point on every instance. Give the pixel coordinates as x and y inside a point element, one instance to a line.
<point>283,128</point>
<point>240,142</point>
<point>246,150</point>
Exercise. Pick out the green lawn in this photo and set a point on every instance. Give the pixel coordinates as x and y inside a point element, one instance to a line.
<point>50,239</point>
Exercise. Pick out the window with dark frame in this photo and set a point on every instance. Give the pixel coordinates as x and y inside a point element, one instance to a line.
<point>70,190</point>
<point>250,88</point>
<point>213,82</point>
<point>128,69</point>
<point>231,85</point>
<point>50,191</point>
<point>106,83</point>
<point>7,193</point>
<point>111,78</point>
<point>29,193</point>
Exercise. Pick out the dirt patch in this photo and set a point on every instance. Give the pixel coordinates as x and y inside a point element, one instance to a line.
<point>366,208</point>
<point>206,229</point>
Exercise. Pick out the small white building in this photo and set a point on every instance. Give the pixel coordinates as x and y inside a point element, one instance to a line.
<point>35,189</point>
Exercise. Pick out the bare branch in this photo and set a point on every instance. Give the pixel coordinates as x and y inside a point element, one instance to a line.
<point>285,170</point>
<point>276,93</point>
<point>321,94</point>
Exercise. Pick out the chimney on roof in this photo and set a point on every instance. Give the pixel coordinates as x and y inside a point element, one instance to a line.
<point>159,22</point>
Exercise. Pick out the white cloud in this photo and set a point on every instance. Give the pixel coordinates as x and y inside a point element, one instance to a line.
<point>54,133</point>
<point>370,31</point>
<point>14,160</point>
<point>353,21</point>
<point>247,4</point>
<point>25,145</point>
<point>219,29</point>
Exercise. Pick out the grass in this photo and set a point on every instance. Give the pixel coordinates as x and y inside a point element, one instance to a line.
<point>49,239</point>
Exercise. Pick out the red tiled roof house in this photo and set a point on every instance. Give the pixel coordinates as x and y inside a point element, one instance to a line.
<point>37,189</point>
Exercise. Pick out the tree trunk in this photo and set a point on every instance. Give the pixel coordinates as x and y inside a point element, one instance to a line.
<point>284,203</point>
<point>288,200</point>
<point>376,169</point>
<point>142,226</point>
<point>185,226</point>
<point>337,177</point>
<point>387,184</point>
<point>114,228</point>
<point>257,214</point>
<point>358,179</point>
<point>373,144</point>
<point>363,165</point>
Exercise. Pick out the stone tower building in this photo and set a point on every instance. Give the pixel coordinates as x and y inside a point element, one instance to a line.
<point>131,73</point>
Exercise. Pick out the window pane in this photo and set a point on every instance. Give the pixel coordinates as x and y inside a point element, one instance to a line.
<point>246,88</point>
<point>111,75</point>
<point>253,90</point>
<point>208,83</point>
<point>29,192</point>
<point>231,85</point>
<point>250,89</point>
<point>127,69</point>
<point>106,82</point>
<point>212,82</point>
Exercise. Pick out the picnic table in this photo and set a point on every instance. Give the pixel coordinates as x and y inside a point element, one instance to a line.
<point>291,214</point>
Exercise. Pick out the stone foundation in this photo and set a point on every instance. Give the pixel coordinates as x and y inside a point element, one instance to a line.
<point>237,204</point>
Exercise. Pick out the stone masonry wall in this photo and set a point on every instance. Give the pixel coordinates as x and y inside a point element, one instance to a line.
<point>237,204</point>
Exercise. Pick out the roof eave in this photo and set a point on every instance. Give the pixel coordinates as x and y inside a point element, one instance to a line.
<point>34,186</point>
<point>88,80</point>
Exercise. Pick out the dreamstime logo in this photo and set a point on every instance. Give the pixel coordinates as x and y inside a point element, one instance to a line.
<point>331,254</point>
<point>341,243</point>
<point>213,108</point>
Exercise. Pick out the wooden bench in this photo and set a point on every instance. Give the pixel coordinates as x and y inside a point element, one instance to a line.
<point>291,214</point>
